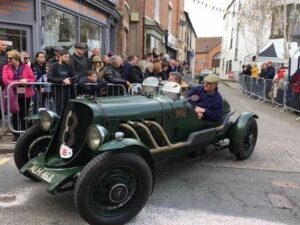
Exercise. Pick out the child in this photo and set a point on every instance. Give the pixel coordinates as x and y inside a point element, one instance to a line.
<point>90,85</point>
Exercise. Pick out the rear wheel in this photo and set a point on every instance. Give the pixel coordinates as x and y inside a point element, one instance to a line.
<point>243,146</point>
<point>29,145</point>
<point>113,188</point>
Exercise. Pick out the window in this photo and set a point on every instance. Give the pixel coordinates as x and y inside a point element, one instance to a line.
<point>231,39</point>
<point>170,19</point>
<point>58,27</point>
<point>156,12</point>
<point>90,34</point>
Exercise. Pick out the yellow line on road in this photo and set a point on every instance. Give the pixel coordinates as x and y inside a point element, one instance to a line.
<point>3,161</point>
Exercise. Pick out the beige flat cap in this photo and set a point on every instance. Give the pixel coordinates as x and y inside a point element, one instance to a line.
<point>212,78</point>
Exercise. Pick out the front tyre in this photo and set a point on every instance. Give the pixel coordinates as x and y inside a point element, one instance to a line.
<point>113,188</point>
<point>29,145</point>
<point>244,145</point>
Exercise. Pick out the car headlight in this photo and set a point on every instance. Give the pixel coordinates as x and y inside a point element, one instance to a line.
<point>47,119</point>
<point>95,136</point>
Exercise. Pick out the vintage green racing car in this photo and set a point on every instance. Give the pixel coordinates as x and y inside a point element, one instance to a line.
<point>106,149</point>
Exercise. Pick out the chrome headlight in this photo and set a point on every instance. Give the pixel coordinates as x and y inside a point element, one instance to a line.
<point>47,119</point>
<point>95,136</point>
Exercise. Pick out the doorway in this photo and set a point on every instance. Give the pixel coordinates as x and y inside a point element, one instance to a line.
<point>19,37</point>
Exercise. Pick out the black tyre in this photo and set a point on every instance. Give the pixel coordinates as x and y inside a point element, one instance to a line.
<point>29,145</point>
<point>243,146</point>
<point>113,188</point>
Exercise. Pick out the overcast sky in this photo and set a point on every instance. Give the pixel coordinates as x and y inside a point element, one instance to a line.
<point>207,21</point>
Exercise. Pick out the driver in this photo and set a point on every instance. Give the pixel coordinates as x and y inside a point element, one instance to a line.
<point>206,100</point>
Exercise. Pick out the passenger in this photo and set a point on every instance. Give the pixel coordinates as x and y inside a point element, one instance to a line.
<point>176,77</point>
<point>209,105</point>
<point>91,85</point>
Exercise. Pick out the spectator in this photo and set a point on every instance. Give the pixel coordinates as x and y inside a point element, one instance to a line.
<point>128,65</point>
<point>171,67</point>
<point>295,85</point>
<point>91,85</point>
<point>270,71</point>
<point>98,66</point>
<point>25,58</point>
<point>278,86</point>
<point>149,70</point>
<point>110,54</point>
<point>95,52</point>
<point>154,53</point>
<point>157,70</point>
<point>79,62</point>
<point>247,69</point>
<point>254,70</point>
<point>62,75</point>
<point>39,69</point>
<point>137,75</point>
<point>112,74</point>
<point>3,57</point>
<point>263,71</point>
<point>16,71</point>
<point>53,58</point>
<point>164,68</point>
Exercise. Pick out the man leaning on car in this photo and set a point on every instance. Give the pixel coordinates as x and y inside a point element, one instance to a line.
<point>209,103</point>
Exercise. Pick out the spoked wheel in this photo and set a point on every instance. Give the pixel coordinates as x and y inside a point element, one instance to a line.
<point>113,188</point>
<point>243,146</point>
<point>29,145</point>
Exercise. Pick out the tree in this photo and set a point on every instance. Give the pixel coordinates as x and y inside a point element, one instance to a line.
<point>254,18</point>
<point>285,20</point>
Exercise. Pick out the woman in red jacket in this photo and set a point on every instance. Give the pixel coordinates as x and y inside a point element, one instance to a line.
<point>16,71</point>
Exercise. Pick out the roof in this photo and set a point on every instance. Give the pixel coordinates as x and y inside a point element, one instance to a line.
<point>190,22</point>
<point>204,45</point>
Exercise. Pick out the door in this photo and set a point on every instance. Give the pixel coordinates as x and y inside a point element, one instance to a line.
<point>19,37</point>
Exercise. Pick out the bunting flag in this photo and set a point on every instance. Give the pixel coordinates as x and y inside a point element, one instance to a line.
<point>210,6</point>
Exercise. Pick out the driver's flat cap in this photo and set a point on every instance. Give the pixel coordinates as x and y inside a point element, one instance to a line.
<point>212,78</point>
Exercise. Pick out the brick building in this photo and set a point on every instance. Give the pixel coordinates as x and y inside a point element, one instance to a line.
<point>160,24</point>
<point>207,55</point>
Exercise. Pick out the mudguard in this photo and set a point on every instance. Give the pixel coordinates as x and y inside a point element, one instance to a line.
<point>236,129</point>
<point>129,145</point>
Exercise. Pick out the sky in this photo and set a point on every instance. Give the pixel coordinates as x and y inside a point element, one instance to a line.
<point>206,17</point>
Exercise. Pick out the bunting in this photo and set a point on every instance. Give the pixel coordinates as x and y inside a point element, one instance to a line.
<point>210,6</point>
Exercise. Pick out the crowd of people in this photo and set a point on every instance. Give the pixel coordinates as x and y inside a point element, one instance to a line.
<point>64,70</point>
<point>270,82</point>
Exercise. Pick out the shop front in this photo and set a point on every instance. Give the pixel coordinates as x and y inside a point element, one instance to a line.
<point>35,25</point>
<point>154,37</point>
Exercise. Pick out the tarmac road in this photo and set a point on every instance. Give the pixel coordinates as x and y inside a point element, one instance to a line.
<point>213,189</point>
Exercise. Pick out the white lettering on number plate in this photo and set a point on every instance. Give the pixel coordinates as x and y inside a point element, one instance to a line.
<point>65,152</point>
<point>42,173</point>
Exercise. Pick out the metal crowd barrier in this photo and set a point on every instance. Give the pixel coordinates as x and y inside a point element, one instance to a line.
<point>46,95</point>
<point>279,93</point>
<point>2,116</point>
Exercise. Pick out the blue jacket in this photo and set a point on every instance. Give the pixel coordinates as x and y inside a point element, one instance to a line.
<point>213,104</point>
<point>270,72</point>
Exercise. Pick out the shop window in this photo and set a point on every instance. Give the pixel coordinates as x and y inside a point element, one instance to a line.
<point>90,34</point>
<point>58,28</point>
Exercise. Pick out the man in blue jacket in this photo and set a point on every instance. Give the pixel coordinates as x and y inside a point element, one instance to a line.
<point>208,103</point>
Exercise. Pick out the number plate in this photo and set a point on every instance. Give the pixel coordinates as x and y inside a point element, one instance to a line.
<point>42,173</point>
<point>65,152</point>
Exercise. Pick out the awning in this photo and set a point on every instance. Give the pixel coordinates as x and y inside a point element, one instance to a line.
<point>269,52</point>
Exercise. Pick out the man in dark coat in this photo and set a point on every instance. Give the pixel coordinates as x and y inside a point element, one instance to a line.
<point>209,104</point>
<point>270,71</point>
<point>62,75</point>
<point>79,62</point>
<point>127,67</point>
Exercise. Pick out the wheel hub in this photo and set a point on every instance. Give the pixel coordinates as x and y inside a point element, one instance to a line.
<point>118,193</point>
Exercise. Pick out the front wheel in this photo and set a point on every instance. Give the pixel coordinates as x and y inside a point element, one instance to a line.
<point>29,145</point>
<point>243,145</point>
<point>113,188</point>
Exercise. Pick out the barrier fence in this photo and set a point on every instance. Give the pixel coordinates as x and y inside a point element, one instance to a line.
<point>279,92</point>
<point>19,101</point>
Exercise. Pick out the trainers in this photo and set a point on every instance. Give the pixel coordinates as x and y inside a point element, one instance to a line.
<point>14,140</point>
